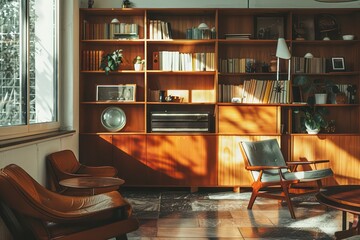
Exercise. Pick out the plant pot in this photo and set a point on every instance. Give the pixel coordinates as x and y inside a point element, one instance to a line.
<point>138,67</point>
<point>320,98</point>
<point>312,131</point>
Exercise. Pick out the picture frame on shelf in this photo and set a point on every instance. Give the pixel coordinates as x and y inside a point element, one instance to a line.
<point>297,96</point>
<point>337,64</point>
<point>269,27</point>
<point>122,92</point>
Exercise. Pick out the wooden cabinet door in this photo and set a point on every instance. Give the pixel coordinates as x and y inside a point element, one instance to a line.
<point>182,160</point>
<point>95,150</point>
<point>342,151</point>
<point>231,166</point>
<point>129,156</point>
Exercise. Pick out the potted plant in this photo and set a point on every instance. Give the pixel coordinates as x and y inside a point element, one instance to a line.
<point>138,63</point>
<point>314,118</point>
<point>315,91</point>
<point>111,61</point>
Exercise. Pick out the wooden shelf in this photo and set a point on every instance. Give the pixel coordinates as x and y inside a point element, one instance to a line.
<point>213,159</point>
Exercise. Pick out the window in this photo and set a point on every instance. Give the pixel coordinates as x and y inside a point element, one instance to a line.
<point>28,66</point>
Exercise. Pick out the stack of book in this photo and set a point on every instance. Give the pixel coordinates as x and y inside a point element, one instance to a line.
<point>309,65</point>
<point>237,65</point>
<point>256,91</point>
<point>91,60</point>
<point>238,36</point>
<point>159,30</point>
<point>113,30</point>
<point>177,61</point>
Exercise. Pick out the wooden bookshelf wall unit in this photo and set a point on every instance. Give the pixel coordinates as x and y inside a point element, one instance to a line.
<point>210,71</point>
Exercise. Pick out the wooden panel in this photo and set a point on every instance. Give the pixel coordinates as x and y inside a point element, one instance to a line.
<point>129,155</point>
<point>95,150</point>
<point>342,151</point>
<point>249,119</point>
<point>182,160</point>
<point>231,166</point>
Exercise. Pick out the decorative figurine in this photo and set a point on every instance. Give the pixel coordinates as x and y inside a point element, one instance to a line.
<point>90,3</point>
<point>126,4</point>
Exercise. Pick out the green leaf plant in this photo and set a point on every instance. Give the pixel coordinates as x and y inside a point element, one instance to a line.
<point>111,61</point>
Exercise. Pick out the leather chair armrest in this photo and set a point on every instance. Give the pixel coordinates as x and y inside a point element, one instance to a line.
<point>98,171</point>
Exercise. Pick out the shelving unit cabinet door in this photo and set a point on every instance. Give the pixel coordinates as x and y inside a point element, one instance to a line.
<point>129,157</point>
<point>342,151</point>
<point>249,119</point>
<point>182,160</point>
<point>95,150</point>
<point>231,165</point>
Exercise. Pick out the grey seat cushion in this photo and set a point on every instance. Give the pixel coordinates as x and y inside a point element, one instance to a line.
<point>268,153</point>
<point>303,176</point>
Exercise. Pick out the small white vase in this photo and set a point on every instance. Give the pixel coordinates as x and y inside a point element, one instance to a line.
<point>320,98</point>
<point>138,67</point>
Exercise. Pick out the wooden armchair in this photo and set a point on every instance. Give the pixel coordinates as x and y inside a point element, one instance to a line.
<point>63,165</point>
<point>43,214</point>
<point>268,169</point>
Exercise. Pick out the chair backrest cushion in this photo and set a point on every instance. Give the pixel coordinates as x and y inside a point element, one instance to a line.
<point>264,153</point>
<point>19,190</point>
<point>64,161</point>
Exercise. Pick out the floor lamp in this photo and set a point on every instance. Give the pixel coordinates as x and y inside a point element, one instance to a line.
<point>282,51</point>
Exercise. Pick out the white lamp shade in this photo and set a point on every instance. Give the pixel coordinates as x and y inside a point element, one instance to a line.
<point>282,50</point>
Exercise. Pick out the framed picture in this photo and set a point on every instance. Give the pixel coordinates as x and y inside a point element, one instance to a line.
<point>269,27</point>
<point>126,92</point>
<point>337,64</point>
<point>297,94</point>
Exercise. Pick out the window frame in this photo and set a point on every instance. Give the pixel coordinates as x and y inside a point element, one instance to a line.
<point>8,132</point>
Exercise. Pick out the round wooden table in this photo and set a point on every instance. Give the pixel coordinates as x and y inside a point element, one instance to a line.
<point>347,199</point>
<point>91,182</point>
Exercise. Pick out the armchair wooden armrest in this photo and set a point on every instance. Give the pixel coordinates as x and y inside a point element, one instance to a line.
<point>259,168</point>
<point>307,162</point>
<point>295,164</point>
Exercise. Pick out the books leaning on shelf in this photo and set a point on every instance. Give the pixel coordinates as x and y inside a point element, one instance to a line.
<point>200,33</point>
<point>238,36</point>
<point>237,65</point>
<point>256,91</point>
<point>159,30</point>
<point>309,65</point>
<point>177,61</point>
<point>91,60</point>
<point>109,30</point>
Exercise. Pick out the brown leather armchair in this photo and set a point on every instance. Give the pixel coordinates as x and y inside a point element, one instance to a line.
<point>47,215</point>
<point>63,165</point>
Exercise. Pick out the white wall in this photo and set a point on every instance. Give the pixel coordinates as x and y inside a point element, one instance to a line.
<point>221,4</point>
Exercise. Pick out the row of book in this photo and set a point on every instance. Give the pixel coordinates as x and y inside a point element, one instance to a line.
<point>159,30</point>
<point>200,33</point>
<point>237,65</point>
<point>256,91</point>
<point>309,65</point>
<point>177,61</point>
<point>110,31</point>
<point>91,60</point>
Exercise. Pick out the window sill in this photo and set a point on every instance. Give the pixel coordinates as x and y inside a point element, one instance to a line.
<point>34,138</point>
